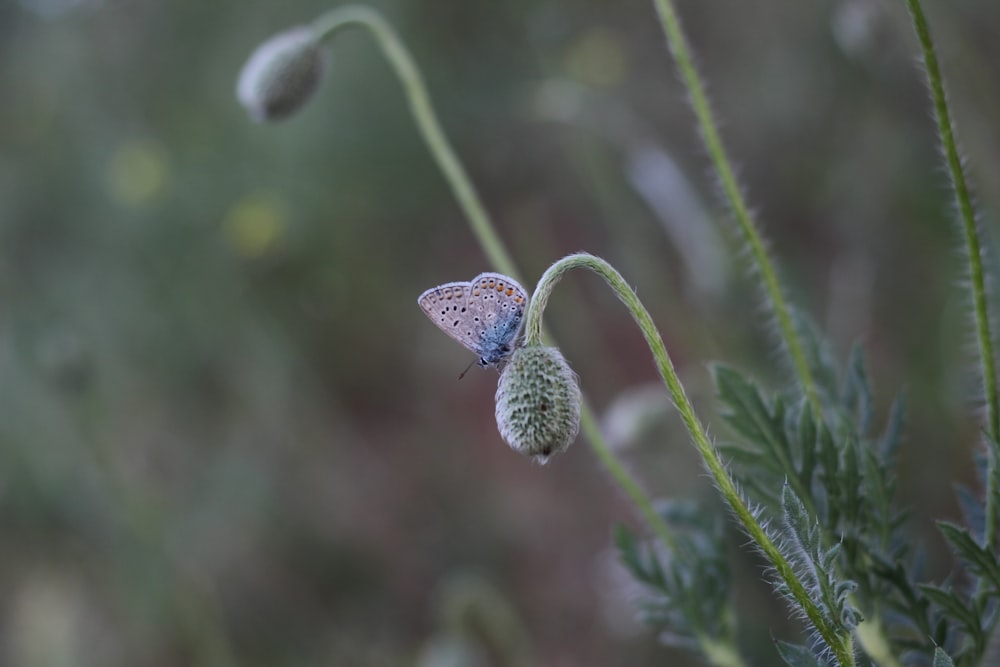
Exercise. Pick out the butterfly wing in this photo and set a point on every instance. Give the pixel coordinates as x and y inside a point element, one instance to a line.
<point>447,306</point>
<point>484,315</point>
<point>497,303</point>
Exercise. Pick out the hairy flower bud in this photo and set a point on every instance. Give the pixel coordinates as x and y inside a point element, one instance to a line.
<point>281,75</point>
<point>538,402</point>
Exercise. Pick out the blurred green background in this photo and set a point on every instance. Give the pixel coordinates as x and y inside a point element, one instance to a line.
<point>228,436</point>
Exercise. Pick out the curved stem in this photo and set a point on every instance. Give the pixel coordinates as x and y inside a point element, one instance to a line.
<point>427,123</point>
<point>976,273</point>
<point>678,45</point>
<point>479,221</point>
<point>839,644</point>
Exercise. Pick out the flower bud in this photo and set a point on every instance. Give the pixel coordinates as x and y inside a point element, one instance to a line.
<point>281,75</point>
<point>538,402</point>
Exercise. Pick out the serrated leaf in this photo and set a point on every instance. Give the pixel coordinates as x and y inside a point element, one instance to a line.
<point>807,434</point>
<point>981,561</point>
<point>940,635</point>
<point>972,510</point>
<point>830,557</point>
<point>746,454</point>
<point>942,659</point>
<point>628,550</point>
<point>645,567</point>
<point>796,655</point>
<point>851,477</point>
<point>857,393</point>
<point>880,492</point>
<point>748,413</point>
<point>687,594</point>
<point>889,443</point>
<point>953,606</point>
<point>829,456</point>
<point>818,354</point>
<point>798,522</point>
<point>979,462</point>
<point>679,513</point>
<point>761,490</point>
<point>993,452</point>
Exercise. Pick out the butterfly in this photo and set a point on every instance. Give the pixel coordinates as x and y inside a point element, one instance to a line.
<point>484,315</point>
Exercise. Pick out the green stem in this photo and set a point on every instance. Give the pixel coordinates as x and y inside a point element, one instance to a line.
<point>870,636</point>
<point>974,252</point>
<point>479,220</point>
<point>592,430</point>
<point>427,123</point>
<point>840,643</point>
<point>678,45</point>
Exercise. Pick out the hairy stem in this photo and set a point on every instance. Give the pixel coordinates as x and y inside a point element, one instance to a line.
<point>479,220</point>
<point>677,42</point>
<point>973,251</point>
<point>840,643</point>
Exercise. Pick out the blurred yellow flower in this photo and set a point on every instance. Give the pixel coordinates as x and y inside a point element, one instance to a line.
<point>255,223</point>
<point>597,58</point>
<point>137,172</point>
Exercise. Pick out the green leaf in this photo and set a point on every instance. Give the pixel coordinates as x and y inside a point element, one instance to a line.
<point>686,595</point>
<point>796,655</point>
<point>748,414</point>
<point>941,659</point>
<point>745,454</point>
<point>857,393</point>
<point>972,510</point>
<point>850,476</point>
<point>889,444</point>
<point>799,523</point>
<point>818,354</point>
<point>993,453</point>
<point>807,434</point>
<point>981,560</point>
<point>628,549</point>
<point>954,606</point>
<point>830,461</point>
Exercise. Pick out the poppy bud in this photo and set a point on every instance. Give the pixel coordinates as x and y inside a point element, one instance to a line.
<point>281,75</point>
<point>538,402</point>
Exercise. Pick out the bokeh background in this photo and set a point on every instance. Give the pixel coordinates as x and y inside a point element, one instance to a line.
<point>229,437</point>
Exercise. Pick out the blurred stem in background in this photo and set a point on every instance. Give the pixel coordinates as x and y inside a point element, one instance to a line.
<point>977,278</point>
<point>427,123</point>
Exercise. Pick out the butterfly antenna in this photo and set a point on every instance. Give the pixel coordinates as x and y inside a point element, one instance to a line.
<point>462,375</point>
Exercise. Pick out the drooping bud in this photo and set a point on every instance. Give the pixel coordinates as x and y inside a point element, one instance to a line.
<point>538,402</point>
<point>282,74</point>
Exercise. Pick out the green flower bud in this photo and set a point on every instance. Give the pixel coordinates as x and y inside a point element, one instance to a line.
<point>281,75</point>
<point>538,402</point>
